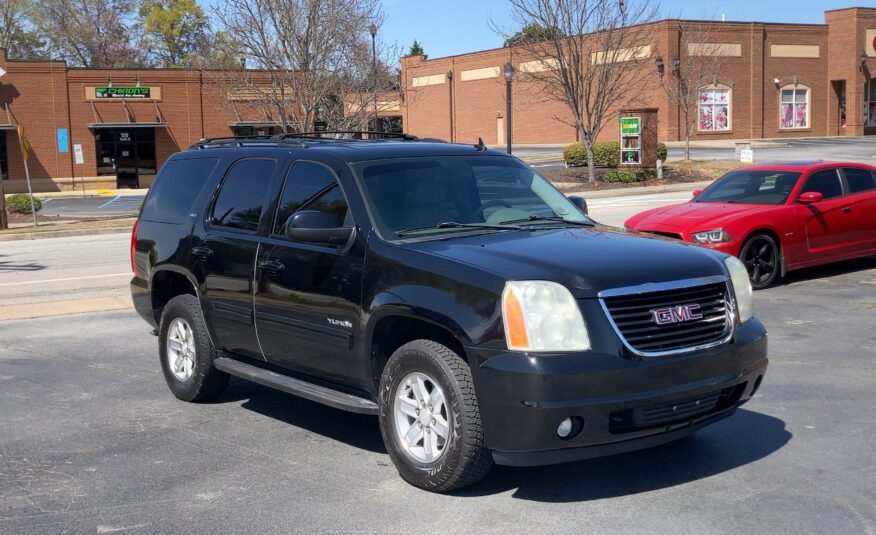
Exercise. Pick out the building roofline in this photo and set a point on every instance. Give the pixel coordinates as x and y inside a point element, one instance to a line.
<point>851,8</point>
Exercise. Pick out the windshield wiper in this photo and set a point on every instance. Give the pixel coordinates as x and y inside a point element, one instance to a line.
<point>455,224</point>
<point>558,219</point>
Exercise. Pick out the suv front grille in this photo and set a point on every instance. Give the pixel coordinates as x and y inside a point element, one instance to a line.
<point>637,317</point>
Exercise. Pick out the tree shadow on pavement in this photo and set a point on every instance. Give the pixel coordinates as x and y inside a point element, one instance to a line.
<point>357,430</point>
<point>737,441</point>
<point>12,265</point>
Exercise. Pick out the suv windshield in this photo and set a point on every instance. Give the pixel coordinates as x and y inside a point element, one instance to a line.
<point>754,187</point>
<point>441,195</point>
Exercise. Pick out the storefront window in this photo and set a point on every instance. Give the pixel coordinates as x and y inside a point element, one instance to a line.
<point>714,109</point>
<point>127,148</point>
<point>870,103</point>
<point>4,164</point>
<point>794,108</point>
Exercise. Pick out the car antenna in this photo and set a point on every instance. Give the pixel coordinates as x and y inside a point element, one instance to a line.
<point>480,146</point>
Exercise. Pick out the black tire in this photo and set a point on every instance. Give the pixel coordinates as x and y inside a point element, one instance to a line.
<point>465,459</point>
<point>206,382</point>
<point>760,254</point>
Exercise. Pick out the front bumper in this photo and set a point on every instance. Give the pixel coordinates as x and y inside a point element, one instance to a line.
<point>624,403</point>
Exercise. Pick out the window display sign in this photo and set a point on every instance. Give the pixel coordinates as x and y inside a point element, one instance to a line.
<point>122,92</point>
<point>714,105</point>
<point>631,141</point>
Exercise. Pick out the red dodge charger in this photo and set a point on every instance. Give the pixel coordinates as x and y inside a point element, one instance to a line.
<point>777,217</point>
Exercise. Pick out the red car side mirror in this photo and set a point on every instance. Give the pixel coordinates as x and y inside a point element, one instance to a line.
<point>810,197</point>
<point>696,193</point>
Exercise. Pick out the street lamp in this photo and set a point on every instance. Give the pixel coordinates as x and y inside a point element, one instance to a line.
<point>676,65</point>
<point>373,31</point>
<point>509,76</point>
<point>658,61</point>
<point>863,59</point>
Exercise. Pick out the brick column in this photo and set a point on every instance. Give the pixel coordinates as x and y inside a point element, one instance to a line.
<point>756,87</point>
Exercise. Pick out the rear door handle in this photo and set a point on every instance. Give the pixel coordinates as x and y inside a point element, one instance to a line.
<point>272,267</point>
<point>847,210</point>
<point>202,252</point>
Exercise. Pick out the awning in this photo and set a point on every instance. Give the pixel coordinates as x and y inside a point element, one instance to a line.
<point>127,125</point>
<point>8,126</point>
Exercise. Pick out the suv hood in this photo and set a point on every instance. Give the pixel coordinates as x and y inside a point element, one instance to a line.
<point>586,260</point>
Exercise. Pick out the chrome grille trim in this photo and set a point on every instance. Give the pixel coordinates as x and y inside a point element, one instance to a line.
<point>693,284</point>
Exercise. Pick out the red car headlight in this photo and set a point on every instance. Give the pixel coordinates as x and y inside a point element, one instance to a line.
<point>718,235</point>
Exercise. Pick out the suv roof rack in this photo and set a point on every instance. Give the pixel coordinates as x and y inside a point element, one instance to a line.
<point>298,138</point>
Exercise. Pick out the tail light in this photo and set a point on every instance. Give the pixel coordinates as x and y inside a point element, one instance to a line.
<point>134,245</point>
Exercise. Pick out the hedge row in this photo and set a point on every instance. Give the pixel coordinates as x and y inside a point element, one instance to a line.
<point>20,204</point>
<point>605,154</point>
<point>629,175</point>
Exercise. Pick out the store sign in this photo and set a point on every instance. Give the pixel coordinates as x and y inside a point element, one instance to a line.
<point>63,140</point>
<point>630,126</point>
<point>77,154</point>
<point>122,92</point>
<point>870,42</point>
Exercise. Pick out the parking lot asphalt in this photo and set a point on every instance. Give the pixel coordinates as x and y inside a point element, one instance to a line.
<point>91,441</point>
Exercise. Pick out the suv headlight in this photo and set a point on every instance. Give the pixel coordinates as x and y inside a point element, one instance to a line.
<point>542,316</point>
<point>741,288</point>
<point>717,235</point>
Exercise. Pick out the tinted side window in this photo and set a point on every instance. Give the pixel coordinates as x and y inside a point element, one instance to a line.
<point>331,202</point>
<point>859,180</point>
<point>825,182</point>
<point>304,182</point>
<point>242,196</point>
<point>175,189</point>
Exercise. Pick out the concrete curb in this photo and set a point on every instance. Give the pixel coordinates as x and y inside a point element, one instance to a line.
<point>569,187</point>
<point>63,233</point>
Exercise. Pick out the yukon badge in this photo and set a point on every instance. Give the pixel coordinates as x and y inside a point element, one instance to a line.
<point>681,313</point>
<point>340,323</point>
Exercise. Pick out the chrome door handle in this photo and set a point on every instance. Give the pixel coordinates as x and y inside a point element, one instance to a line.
<point>202,252</point>
<point>272,267</point>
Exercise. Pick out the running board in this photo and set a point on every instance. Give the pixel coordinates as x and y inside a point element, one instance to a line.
<point>319,394</point>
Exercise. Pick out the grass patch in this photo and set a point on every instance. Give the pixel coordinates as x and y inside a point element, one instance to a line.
<point>701,169</point>
<point>77,225</point>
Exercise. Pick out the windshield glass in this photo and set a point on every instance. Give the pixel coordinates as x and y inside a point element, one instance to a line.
<point>751,186</point>
<point>456,194</point>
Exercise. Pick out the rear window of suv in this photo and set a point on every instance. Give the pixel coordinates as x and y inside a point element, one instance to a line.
<point>175,189</point>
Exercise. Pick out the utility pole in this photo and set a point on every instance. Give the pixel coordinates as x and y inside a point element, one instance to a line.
<point>509,77</point>
<point>373,31</point>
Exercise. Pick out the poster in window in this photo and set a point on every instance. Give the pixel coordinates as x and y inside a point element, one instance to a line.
<point>801,116</point>
<point>706,122</point>
<point>722,117</point>
<point>787,115</point>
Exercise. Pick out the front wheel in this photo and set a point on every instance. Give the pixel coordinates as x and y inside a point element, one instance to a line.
<point>760,254</point>
<point>430,420</point>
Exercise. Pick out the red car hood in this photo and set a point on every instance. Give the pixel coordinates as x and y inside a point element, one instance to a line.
<point>692,216</point>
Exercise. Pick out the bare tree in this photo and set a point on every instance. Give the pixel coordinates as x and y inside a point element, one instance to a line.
<point>696,68</point>
<point>16,31</point>
<point>308,54</point>
<point>592,61</point>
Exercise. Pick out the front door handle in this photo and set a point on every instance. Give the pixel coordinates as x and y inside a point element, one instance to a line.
<point>847,210</point>
<point>272,267</point>
<point>202,252</point>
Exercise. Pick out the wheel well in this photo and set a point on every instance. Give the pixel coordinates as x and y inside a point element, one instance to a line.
<point>165,286</point>
<point>392,332</point>
<point>776,239</point>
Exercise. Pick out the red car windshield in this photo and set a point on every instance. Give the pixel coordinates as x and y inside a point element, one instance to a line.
<point>751,186</point>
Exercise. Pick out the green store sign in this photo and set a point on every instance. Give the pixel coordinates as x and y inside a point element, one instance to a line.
<point>122,92</point>
<point>630,126</point>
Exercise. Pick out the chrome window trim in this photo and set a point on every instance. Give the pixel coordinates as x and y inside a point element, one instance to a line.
<point>730,319</point>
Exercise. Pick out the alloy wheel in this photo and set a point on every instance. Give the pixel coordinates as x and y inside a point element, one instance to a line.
<point>181,350</point>
<point>422,418</point>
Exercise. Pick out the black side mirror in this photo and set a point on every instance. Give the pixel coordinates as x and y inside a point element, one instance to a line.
<point>579,202</point>
<point>313,226</point>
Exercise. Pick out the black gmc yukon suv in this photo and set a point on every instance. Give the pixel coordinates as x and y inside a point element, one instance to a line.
<point>447,289</point>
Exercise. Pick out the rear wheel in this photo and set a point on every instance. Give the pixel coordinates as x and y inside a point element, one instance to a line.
<point>187,353</point>
<point>760,254</point>
<point>430,420</point>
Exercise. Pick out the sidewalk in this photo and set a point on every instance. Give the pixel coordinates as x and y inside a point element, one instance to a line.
<point>88,193</point>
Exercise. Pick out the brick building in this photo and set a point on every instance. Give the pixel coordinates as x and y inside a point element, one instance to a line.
<point>775,81</point>
<point>130,120</point>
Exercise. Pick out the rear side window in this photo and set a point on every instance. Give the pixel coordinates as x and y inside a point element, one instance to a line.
<point>304,182</point>
<point>175,189</point>
<point>242,195</point>
<point>825,182</point>
<point>859,180</point>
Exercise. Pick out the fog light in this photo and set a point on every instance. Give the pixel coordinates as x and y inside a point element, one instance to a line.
<point>565,428</point>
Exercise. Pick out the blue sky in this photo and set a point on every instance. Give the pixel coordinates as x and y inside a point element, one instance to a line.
<point>448,27</point>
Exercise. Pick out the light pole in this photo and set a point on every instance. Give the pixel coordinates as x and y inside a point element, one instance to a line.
<point>373,31</point>
<point>509,76</point>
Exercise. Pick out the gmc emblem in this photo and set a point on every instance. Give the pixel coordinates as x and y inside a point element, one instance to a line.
<point>667,315</point>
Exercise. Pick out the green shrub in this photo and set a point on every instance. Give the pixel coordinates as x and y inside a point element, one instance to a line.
<point>20,204</point>
<point>646,174</point>
<point>621,175</point>
<point>606,153</point>
<point>575,155</point>
<point>662,151</point>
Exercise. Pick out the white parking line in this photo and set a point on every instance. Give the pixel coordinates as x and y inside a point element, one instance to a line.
<point>66,279</point>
